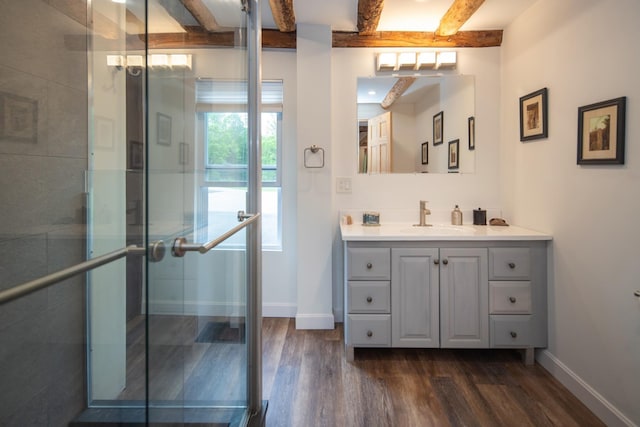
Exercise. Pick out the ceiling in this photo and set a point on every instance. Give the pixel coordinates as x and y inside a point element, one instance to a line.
<point>342,15</point>
<point>398,15</point>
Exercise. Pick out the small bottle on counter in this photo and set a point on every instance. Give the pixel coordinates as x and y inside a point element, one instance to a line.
<point>456,216</point>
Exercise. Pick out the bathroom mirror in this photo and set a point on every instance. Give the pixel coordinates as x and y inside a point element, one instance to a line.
<point>400,137</point>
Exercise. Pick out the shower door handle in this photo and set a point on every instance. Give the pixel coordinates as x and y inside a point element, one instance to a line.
<point>155,252</point>
<point>181,247</point>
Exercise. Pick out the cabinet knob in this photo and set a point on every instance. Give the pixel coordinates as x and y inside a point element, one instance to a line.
<point>436,261</point>
<point>637,294</point>
<point>513,334</point>
<point>369,299</point>
<point>369,266</point>
<point>369,334</point>
<point>512,300</point>
<point>512,265</point>
<point>445,261</point>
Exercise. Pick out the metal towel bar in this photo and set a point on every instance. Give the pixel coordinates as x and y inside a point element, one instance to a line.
<point>156,253</point>
<point>181,247</point>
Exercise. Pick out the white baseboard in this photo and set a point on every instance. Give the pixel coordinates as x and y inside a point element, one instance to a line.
<point>600,406</point>
<point>279,310</point>
<point>315,321</point>
<point>338,315</point>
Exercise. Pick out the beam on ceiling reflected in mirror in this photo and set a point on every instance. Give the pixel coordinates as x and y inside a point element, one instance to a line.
<point>396,91</point>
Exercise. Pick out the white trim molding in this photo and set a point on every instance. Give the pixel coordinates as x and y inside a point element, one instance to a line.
<point>600,406</point>
<point>315,321</point>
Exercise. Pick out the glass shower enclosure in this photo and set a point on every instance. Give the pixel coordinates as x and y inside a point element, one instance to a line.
<point>120,299</point>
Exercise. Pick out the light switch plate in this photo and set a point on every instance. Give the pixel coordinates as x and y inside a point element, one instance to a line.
<point>343,184</point>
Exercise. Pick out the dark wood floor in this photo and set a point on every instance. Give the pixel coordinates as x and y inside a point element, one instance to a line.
<point>308,382</point>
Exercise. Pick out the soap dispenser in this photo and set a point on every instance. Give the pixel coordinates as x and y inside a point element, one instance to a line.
<point>456,216</point>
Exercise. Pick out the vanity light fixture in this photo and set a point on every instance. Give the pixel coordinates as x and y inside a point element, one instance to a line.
<point>406,61</point>
<point>428,60</point>
<point>157,60</point>
<point>446,60</point>
<point>387,61</point>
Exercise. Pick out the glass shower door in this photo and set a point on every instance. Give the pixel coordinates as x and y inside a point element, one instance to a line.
<point>176,338</point>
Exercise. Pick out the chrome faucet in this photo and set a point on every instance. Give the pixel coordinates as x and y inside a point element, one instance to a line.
<point>424,211</point>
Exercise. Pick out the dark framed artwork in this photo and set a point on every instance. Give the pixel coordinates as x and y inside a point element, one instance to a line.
<point>135,155</point>
<point>534,122</point>
<point>425,153</point>
<point>472,132</point>
<point>438,121</point>
<point>18,118</point>
<point>601,132</point>
<point>164,129</point>
<point>454,154</point>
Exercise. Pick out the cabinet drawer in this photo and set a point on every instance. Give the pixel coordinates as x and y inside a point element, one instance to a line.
<point>509,297</point>
<point>369,263</point>
<point>509,263</point>
<point>369,297</point>
<point>370,330</point>
<point>511,331</point>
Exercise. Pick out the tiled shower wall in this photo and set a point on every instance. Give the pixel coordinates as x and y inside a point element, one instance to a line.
<point>43,156</point>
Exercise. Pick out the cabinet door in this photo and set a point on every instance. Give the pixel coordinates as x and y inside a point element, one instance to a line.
<point>464,298</point>
<point>414,297</point>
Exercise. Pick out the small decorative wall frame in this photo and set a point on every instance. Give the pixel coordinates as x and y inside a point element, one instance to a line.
<point>164,129</point>
<point>601,132</point>
<point>425,153</point>
<point>454,154</point>
<point>472,132</point>
<point>534,122</point>
<point>18,118</point>
<point>438,121</point>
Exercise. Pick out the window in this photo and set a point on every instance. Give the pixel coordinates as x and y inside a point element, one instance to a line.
<point>224,136</point>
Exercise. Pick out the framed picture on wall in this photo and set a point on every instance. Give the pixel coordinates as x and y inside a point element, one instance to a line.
<point>472,132</point>
<point>534,122</point>
<point>437,128</point>
<point>164,129</point>
<point>601,132</point>
<point>454,154</point>
<point>425,153</point>
<point>18,118</point>
<point>135,155</point>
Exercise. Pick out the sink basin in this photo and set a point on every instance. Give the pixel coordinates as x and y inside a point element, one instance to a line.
<point>438,229</point>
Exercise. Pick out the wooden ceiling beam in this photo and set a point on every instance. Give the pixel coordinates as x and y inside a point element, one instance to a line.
<point>396,91</point>
<point>203,15</point>
<point>369,12</point>
<point>283,15</point>
<point>271,39</point>
<point>418,39</point>
<point>459,12</point>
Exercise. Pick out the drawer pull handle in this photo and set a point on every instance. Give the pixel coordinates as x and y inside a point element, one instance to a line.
<point>513,334</point>
<point>512,300</point>
<point>369,300</point>
<point>436,261</point>
<point>445,261</point>
<point>512,265</point>
<point>369,266</point>
<point>369,334</point>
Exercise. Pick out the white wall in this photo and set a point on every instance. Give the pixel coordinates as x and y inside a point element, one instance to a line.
<point>314,263</point>
<point>583,51</point>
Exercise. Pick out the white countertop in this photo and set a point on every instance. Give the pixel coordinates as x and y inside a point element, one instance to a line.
<point>409,232</point>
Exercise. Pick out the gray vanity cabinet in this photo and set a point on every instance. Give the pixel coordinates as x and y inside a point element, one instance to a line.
<point>481,294</point>
<point>415,301</point>
<point>464,294</point>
